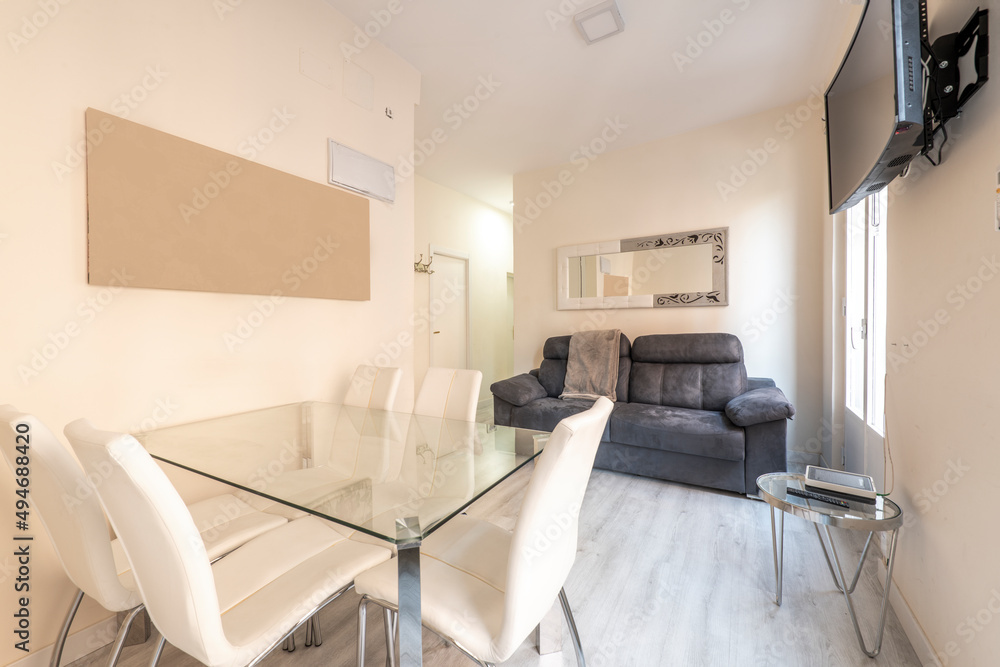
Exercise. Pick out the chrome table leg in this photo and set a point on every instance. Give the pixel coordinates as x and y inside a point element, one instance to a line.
<point>829,564</point>
<point>847,590</point>
<point>410,632</point>
<point>778,548</point>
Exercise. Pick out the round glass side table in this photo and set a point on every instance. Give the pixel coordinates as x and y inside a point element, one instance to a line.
<point>881,516</point>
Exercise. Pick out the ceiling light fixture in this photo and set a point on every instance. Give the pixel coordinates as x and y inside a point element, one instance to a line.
<point>600,21</point>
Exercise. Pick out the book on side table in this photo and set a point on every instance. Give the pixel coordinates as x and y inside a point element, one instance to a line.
<point>849,484</point>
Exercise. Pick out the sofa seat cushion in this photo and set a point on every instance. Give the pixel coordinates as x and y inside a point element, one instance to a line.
<point>545,413</point>
<point>682,430</point>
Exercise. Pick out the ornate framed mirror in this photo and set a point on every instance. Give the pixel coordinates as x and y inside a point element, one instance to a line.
<point>668,270</point>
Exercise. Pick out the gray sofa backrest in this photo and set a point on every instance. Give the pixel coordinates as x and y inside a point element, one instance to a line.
<point>552,371</point>
<point>698,371</point>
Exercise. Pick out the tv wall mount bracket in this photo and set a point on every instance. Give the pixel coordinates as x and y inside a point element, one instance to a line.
<point>944,100</point>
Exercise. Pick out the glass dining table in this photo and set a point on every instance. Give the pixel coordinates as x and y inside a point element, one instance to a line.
<point>395,476</point>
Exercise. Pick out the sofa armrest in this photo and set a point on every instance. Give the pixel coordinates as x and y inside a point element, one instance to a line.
<point>758,406</point>
<point>534,372</point>
<point>759,383</point>
<point>519,390</point>
<point>503,412</point>
<point>765,451</point>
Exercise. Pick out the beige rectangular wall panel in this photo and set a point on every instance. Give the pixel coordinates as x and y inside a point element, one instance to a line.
<point>168,213</point>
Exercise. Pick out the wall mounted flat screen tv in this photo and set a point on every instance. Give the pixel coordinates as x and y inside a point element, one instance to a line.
<point>874,109</point>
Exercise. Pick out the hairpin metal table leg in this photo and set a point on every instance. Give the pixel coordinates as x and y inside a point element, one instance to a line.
<point>829,564</point>
<point>778,547</point>
<point>847,590</point>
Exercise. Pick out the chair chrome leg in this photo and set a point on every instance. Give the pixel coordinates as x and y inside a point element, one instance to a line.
<point>116,649</point>
<point>158,652</point>
<point>280,641</point>
<point>464,652</point>
<point>309,633</point>
<point>57,648</point>
<point>574,635</point>
<point>317,632</point>
<point>289,643</point>
<point>391,635</point>
<point>362,623</point>
<point>389,621</point>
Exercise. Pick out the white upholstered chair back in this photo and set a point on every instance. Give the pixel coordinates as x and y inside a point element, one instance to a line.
<point>168,557</point>
<point>449,393</point>
<point>373,387</point>
<point>544,543</point>
<point>64,500</point>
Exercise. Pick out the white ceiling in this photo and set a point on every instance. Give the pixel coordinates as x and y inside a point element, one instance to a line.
<point>555,92</point>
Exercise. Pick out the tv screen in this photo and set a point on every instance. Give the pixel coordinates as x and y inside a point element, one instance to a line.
<point>874,112</point>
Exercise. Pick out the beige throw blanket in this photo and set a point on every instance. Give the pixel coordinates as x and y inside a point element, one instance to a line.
<point>592,366</point>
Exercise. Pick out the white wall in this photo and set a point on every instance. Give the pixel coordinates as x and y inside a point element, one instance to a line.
<point>776,221</point>
<point>141,356</point>
<point>450,219</point>
<point>944,320</point>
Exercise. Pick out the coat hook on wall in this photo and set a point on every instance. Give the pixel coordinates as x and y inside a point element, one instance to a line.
<point>420,267</point>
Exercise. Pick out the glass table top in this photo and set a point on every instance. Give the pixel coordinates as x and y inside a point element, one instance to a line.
<point>396,476</point>
<point>883,514</point>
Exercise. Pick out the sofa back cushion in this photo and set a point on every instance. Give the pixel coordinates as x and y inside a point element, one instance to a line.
<point>696,371</point>
<point>552,371</point>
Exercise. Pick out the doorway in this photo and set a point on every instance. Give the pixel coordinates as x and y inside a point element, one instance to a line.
<point>508,346</point>
<point>449,309</point>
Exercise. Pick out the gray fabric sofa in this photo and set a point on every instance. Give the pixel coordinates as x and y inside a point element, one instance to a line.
<point>686,410</point>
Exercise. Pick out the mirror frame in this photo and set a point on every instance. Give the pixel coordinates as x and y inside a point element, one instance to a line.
<point>717,296</point>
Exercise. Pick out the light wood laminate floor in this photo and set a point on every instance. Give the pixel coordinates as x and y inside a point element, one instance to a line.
<point>666,574</point>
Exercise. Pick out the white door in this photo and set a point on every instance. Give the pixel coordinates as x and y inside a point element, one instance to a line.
<point>865,313</point>
<point>449,309</point>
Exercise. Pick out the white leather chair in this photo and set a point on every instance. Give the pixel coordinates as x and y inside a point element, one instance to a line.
<point>442,428</point>
<point>449,393</point>
<point>484,589</point>
<point>62,495</point>
<point>74,521</point>
<point>234,612</point>
<point>373,387</point>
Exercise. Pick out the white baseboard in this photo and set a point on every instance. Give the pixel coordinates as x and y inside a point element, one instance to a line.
<point>911,627</point>
<point>807,458</point>
<point>78,644</point>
